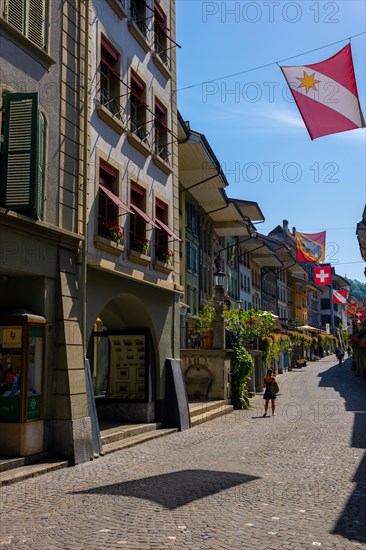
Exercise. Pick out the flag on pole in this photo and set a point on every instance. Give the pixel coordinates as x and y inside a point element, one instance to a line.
<point>322,274</point>
<point>326,94</point>
<point>310,247</point>
<point>351,308</point>
<point>359,315</point>
<point>340,296</point>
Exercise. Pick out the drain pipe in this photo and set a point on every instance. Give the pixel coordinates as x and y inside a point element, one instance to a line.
<point>84,263</point>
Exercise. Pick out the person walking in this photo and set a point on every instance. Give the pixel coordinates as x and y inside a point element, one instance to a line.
<point>339,354</point>
<point>268,396</point>
<point>349,351</point>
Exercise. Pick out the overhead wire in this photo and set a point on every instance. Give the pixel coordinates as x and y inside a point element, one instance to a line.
<point>268,64</point>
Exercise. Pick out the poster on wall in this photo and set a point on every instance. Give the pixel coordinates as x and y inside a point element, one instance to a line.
<point>12,337</point>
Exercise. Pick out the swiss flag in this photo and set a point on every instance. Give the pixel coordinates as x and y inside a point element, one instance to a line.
<point>322,274</point>
<point>340,296</point>
<point>326,94</point>
<point>359,315</point>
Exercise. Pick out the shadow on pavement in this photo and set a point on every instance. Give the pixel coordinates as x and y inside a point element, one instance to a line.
<point>352,522</point>
<point>176,488</point>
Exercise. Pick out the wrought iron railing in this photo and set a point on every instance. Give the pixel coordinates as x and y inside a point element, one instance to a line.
<point>162,53</point>
<point>111,103</point>
<point>139,129</point>
<point>138,17</point>
<point>161,151</point>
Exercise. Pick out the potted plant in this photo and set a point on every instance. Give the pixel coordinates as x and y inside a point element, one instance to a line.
<point>164,255</point>
<point>140,245</point>
<point>204,324</point>
<point>110,230</point>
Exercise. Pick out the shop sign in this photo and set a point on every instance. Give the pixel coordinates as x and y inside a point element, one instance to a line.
<point>34,407</point>
<point>12,337</point>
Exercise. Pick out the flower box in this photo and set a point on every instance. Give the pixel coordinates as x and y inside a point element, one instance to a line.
<point>111,231</point>
<point>105,244</point>
<point>138,257</point>
<point>163,267</point>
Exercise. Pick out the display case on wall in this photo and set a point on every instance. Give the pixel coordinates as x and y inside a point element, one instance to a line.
<point>22,339</point>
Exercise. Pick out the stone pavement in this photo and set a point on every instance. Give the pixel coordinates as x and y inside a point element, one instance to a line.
<point>293,481</point>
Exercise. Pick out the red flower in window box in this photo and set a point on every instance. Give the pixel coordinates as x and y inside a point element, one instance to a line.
<point>111,230</point>
<point>140,245</point>
<point>164,255</point>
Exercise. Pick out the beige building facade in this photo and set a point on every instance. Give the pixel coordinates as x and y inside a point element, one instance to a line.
<point>43,406</point>
<point>133,287</point>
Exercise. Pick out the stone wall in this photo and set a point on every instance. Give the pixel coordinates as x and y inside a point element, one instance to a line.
<point>207,373</point>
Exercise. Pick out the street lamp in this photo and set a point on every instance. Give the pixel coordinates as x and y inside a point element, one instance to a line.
<point>219,321</point>
<point>219,278</point>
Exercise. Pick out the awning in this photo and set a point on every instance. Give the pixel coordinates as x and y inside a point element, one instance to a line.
<point>167,230</point>
<point>143,215</point>
<point>309,328</point>
<point>115,199</point>
<point>309,287</point>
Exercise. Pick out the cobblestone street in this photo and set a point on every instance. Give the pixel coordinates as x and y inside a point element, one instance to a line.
<point>293,481</point>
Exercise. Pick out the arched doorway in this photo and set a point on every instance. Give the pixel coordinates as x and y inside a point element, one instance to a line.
<point>121,353</point>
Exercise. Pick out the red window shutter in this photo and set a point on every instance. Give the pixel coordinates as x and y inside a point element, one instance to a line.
<point>137,189</point>
<point>108,168</point>
<point>107,50</point>
<point>160,110</point>
<point>136,83</point>
<point>159,13</point>
<point>161,209</point>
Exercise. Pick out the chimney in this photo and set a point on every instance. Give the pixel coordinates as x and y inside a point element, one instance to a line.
<point>285,226</point>
<point>294,231</point>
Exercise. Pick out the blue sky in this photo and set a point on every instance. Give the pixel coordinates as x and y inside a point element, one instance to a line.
<point>253,125</point>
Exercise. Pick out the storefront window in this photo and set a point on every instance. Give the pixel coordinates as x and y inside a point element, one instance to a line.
<point>10,372</point>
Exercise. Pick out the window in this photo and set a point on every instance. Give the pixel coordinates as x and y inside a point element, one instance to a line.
<point>191,218</point>
<point>138,15</point>
<point>161,38</point>
<point>29,18</point>
<point>138,240</point>
<point>188,256</point>
<point>22,158</point>
<point>107,209</point>
<point>110,78</point>
<point>138,108</point>
<point>162,251</point>
<point>161,131</point>
<point>194,253</point>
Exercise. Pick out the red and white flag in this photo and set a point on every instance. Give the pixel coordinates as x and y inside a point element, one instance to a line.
<point>340,296</point>
<point>326,94</point>
<point>322,274</point>
<point>359,315</point>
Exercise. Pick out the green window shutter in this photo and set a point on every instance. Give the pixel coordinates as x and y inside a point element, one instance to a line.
<point>19,188</point>
<point>36,21</point>
<point>41,164</point>
<point>14,12</point>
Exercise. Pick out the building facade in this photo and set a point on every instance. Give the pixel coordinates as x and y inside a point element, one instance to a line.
<point>132,283</point>
<point>42,229</point>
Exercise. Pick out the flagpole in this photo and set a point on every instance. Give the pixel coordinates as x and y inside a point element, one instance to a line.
<point>331,309</point>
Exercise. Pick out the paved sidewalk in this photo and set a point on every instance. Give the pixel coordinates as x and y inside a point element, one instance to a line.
<point>293,481</point>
